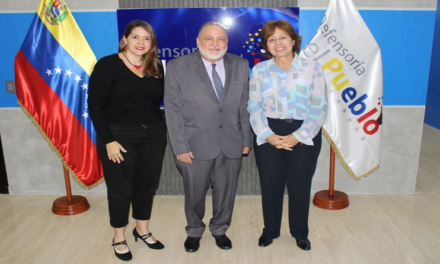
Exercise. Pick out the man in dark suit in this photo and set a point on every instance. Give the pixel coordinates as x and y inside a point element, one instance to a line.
<point>206,96</point>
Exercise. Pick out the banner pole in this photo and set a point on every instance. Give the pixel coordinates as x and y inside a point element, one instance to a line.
<point>67,182</point>
<point>70,204</point>
<point>331,182</point>
<point>331,199</point>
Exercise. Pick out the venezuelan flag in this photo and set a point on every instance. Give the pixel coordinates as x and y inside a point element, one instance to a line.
<point>52,71</point>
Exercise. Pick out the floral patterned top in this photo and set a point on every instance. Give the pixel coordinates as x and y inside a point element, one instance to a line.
<point>298,93</point>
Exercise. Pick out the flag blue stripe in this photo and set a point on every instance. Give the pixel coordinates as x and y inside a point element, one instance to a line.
<point>44,52</point>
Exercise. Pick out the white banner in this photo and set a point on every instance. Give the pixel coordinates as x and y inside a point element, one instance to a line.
<point>352,64</point>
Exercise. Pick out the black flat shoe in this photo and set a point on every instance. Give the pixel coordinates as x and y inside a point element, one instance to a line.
<point>192,244</point>
<point>126,256</point>
<point>223,241</point>
<point>156,245</point>
<point>303,243</point>
<point>264,241</point>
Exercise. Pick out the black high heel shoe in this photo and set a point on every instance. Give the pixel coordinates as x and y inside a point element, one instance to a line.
<point>157,245</point>
<point>122,256</point>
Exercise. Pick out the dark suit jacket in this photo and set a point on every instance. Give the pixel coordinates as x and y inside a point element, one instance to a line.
<point>197,121</point>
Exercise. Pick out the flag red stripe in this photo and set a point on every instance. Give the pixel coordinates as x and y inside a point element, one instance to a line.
<point>57,121</point>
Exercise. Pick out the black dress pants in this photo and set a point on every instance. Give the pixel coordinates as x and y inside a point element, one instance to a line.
<point>278,167</point>
<point>136,179</point>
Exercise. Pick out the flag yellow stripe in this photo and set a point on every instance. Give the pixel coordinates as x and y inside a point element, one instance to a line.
<point>68,35</point>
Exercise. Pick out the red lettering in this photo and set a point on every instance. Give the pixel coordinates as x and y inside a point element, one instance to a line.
<point>375,128</point>
<point>367,115</point>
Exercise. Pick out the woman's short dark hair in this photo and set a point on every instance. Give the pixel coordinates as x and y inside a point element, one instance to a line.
<point>269,29</point>
<point>151,59</point>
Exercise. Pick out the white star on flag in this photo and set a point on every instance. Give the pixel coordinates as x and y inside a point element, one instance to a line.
<point>77,78</point>
<point>49,72</point>
<point>57,69</point>
<point>85,115</point>
<point>87,96</point>
<point>68,72</point>
<point>84,86</point>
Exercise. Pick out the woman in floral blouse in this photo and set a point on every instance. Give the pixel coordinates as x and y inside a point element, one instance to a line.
<point>288,105</point>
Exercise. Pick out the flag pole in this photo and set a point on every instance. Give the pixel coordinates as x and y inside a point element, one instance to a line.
<point>70,204</point>
<point>331,199</point>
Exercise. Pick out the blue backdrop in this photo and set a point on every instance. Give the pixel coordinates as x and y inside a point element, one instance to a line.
<point>432,116</point>
<point>177,28</point>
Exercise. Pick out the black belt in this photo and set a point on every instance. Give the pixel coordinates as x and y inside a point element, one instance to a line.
<point>287,120</point>
<point>138,125</point>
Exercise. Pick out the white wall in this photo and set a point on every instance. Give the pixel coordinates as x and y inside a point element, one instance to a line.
<point>33,168</point>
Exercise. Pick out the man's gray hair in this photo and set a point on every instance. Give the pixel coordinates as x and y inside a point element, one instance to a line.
<point>212,23</point>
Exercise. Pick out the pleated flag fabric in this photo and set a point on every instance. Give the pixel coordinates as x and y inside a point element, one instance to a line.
<point>52,70</point>
<point>352,65</point>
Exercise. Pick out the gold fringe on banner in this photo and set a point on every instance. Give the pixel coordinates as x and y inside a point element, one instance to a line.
<point>52,146</point>
<point>343,162</point>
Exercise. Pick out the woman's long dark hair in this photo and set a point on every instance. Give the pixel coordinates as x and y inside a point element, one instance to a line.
<point>151,59</point>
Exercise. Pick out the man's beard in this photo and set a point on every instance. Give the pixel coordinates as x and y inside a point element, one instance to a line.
<point>206,54</point>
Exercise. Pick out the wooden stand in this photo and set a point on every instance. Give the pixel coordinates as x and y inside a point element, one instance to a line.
<point>331,199</point>
<point>70,205</point>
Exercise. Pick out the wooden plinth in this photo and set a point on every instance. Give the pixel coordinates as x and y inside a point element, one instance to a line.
<point>323,200</point>
<point>62,206</point>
